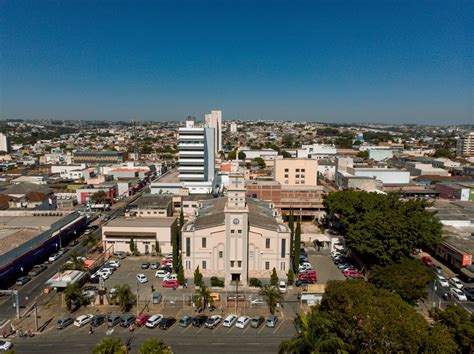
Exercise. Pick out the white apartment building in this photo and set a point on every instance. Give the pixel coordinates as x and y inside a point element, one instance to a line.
<point>316,151</point>
<point>465,145</point>
<point>236,238</point>
<point>4,143</point>
<point>214,120</point>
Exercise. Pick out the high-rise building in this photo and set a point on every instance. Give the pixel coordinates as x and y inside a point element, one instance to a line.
<point>233,127</point>
<point>465,145</point>
<point>4,143</point>
<point>214,120</point>
<point>196,153</point>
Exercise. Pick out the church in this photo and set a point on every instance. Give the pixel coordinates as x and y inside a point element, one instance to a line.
<point>236,238</point>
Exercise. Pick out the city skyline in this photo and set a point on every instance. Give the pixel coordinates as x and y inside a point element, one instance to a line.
<point>330,62</point>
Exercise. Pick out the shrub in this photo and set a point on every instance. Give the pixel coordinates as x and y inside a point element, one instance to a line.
<point>256,283</point>
<point>215,281</point>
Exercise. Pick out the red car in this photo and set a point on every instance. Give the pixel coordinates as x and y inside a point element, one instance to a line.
<point>166,262</point>
<point>310,276</point>
<point>173,283</point>
<point>352,273</point>
<point>427,261</point>
<point>141,320</point>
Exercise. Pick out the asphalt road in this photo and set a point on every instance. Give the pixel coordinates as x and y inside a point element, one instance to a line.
<point>182,340</point>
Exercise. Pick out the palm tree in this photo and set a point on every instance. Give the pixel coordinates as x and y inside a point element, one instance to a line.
<point>73,296</point>
<point>154,346</point>
<point>202,296</point>
<point>316,335</point>
<point>125,297</point>
<point>272,296</point>
<point>90,241</point>
<point>75,262</point>
<point>110,346</point>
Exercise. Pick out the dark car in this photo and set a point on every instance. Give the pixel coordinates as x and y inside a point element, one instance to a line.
<point>36,270</point>
<point>469,292</point>
<point>64,322</point>
<point>302,282</point>
<point>167,322</point>
<point>437,269</point>
<point>22,280</point>
<point>127,320</point>
<point>97,320</point>
<point>145,265</point>
<point>257,321</point>
<point>199,321</point>
<point>113,320</point>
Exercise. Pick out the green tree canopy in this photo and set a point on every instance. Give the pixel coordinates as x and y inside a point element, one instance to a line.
<point>124,296</point>
<point>261,163</point>
<point>381,228</point>
<point>73,297</point>
<point>98,197</point>
<point>272,297</point>
<point>444,152</point>
<point>197,277</point>
<point>274,277</point>
<point>408,278</point>
<point>110,346</point>
<point>154,346</point>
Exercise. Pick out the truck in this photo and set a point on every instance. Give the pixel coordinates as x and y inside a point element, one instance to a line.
<point>102,207</point>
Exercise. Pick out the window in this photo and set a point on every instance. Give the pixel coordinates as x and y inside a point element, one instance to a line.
<point>282,266</point>
<point>303,170</point>
<point>204,242</point>
<point>267,265</point>
<point>286,176</point>
<point>297,176</point>
<point>188,264</point>
<point>287,170</point>
<point>239,263</point>
<point>232,264</point>
<point>239,231</point>
<point>302,176</point>
<point>232,231</point>
<point>267,243</point>
<point>297,181</point>
<point>297,170</point>
<point>221,254</point>
<point>204,265</point>
<point>188,247</point>
<point>283,248</point>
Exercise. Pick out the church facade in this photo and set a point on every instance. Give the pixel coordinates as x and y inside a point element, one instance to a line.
<point>236,238</point>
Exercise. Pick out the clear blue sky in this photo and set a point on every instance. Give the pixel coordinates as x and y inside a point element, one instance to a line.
<point>334,61</point>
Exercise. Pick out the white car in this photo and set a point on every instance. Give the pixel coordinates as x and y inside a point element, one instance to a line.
<point>53,258</point>
<point>168,256</point>
<point>456,283</point>
<point>213,321</point>
<point>5,345</point>
<point>305,266</point>
<point>458,294</point>
<point>258,302</point>
<point>282,287</point>
<point>109,270</point>
<point>153,321</point>
<point>161,273</point>
<point>229,321</point>
<point>141,278</point>
<point>170,277</point>
<point>114,263</point>
<point>443,281</point>
<point>82,320</point>
<point>242,322</point>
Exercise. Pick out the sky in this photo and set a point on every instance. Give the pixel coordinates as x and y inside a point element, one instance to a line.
<point>332,61</point>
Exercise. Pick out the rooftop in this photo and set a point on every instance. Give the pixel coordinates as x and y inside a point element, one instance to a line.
<point>171,176</point>
<point>140,222</point>
<point>150,201</point>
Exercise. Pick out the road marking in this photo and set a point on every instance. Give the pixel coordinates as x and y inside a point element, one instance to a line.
<point>201,329</point>
<point>185,329</point>
<point>278,327</point>
<point>261,329</point>
<point>230,329</point>
<point>246,329</point>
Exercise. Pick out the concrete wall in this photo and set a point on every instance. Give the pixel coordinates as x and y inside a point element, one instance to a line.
<point>296,171</point>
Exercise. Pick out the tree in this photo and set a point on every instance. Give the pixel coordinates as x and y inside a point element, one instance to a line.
<point>274,277</point>
<point>317,334</point>
<point>363,154</point>
<point>132,245</point>
<point>232,155</point>
<point>297,245</point>
<point>74,262</point>
<point>459,323</point>
<point>98,197</point>
<point>255,282</point>
<point>380,228</point>
<point>285,154</point>
<point>90,241</point>
<point>197,277</point>
<point>291,225</point>
<point>441,341</point>
<point>272,297</point>
<point>110,346</point>
<point>260,162</point>
<point>155,346</point>
<point>215,281</point>
<point>408,278</point>
<point>181,279</point>
<point>444,152</point>
<point>73,297</point>
<point>175,244</point>
<point>242,155</point>
<point>157,247</point>
<point>287,140</point>
<point>291,277</point>
<point>124,296</point>
<point>202,297</point>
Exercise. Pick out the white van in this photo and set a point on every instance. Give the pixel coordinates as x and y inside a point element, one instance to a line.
<point>282,287</point>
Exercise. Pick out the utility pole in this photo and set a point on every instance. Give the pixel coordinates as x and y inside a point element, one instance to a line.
<point>236,295</point>
<point>36,316</point>
<point>138,297</point>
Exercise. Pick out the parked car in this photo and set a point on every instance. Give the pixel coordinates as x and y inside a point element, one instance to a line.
<point>161,273</point>
<point>167,322</point>
<point>153,321</point>
<point>127,320</point>
<point>119,255</point>
<point>54,258</point>
<point>271,321</point>
<point>170,284</point>
<point>443,281</point>
<point>82,320</point>
<point>185,321</point>
<point>229,321</point>
<point>242,322</point>
<point>458,294</point>
<point>97,320</point>
<point>141,278</point>
<point>437,269</point>
<point>22,280</point>
<point>282,287</point>
<point>113,263</point>
<point>145,265</point>
<point>154,265</point>
<point>456,283</point>
<point>199,321</point>
<point>258,302</point>
<point>257,321</point>
<point>213,321</point>
<point>5,345</point>
<point>469,292</point>
<point>352,273</point>
<point>168,256</point>
<point>37,269</point>
<point>114,320</point>
<point>171,277</point>
<point>64,322</point>
<point>142,319</point>
<point>427,260</point>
